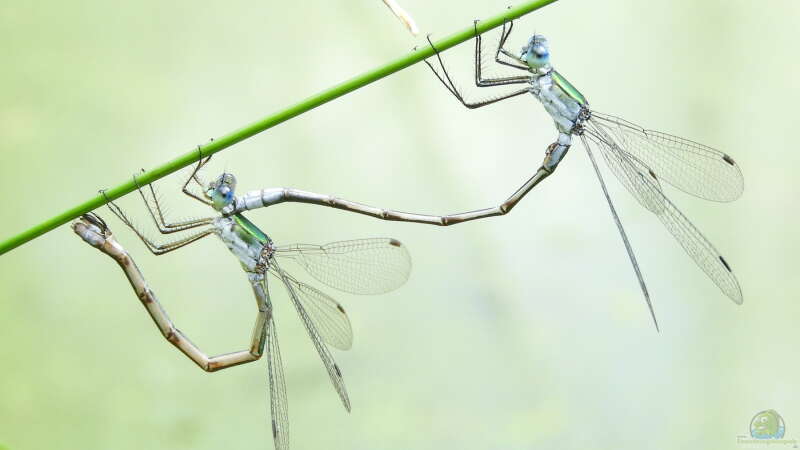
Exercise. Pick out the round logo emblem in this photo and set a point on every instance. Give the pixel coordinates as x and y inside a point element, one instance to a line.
<point>767,425</point>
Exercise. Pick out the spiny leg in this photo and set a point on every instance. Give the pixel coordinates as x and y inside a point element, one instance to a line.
<point>163,226</point>
<point>622,233</point>
<point>172,227</point>
<point>502,81</point>
<point>450,86</point>
<point>500,49</point>
<point>93,231</point>
<point>195,178</point>
<point>155,248</point>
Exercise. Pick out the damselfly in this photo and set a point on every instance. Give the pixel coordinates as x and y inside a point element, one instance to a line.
<point>639,158</point>
<point>362,266</point>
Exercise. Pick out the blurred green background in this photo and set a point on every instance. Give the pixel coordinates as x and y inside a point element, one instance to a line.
<point>527,331</point>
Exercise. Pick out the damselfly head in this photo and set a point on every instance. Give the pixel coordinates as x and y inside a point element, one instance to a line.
<point>536,53</point>
<point>221,190</point>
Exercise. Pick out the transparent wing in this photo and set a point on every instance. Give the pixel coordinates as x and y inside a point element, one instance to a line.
<point>694,168</point>
<point>327,315</point>
<point>627,168</point>
<point>361,266</point>
<point>621,229</point>
<point>277,391</point>
<point>643,185</point>
<point>333,370</point>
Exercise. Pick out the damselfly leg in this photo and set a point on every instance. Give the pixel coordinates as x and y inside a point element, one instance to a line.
<point>155,247</point>
<point>196,178</point>
<point>516,62</point>
<point>444,77</point>
<point>157,214</point>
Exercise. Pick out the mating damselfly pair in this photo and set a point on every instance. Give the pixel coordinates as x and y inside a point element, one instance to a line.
<point>639,158</point>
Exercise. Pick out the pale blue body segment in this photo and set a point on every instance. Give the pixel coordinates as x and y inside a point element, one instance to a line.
<point>248,246</point>
<point>565,104</point>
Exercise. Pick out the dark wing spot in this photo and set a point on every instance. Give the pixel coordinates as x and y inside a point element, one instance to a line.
<point>725,263</point>
<point>339,307</point>
<point>336,368</point>
<point>652,174</point>
<point>274,430</point>
<point>728,160</point>
<point>395,242</point>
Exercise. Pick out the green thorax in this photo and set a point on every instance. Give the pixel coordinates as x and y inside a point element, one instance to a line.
<point>568,88</point>
<point>249,230</point>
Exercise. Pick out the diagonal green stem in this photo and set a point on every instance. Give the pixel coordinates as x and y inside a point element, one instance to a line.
<point>270,121</point>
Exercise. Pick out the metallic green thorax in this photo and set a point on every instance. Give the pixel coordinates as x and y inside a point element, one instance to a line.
<point>250,230</point>
<point>568,88</point>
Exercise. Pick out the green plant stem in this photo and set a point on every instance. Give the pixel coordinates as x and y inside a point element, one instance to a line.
<point>270,121</point>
